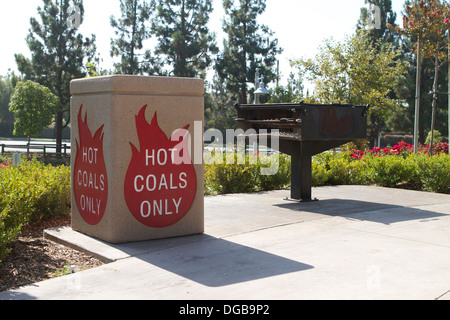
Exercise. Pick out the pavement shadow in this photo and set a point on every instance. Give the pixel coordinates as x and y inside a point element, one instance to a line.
<point>12,295</point>
<point>362,210</point>
<point>216,262</point>
<point>207,260</point>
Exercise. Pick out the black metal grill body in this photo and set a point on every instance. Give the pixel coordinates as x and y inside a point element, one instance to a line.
<point>304,131</point>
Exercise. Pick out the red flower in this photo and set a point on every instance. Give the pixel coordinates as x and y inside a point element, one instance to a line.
<point>401,147</point>
<point>441,147</point>
<point>4,165</point>
<point>447,20</point>
<point>376,150</point>
<point>357,154</point>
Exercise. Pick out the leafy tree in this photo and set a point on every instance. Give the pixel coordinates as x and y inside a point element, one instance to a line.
<point>91,70</point>
<point>404,121</point>
<point>184,39</point>
<point>132,31</point>
<point>357,72</point>
<point>57,54</point>
<point>33,106</point>
<point>6,117</point>
<point>292,92</point>
<point>248,46</point>
<point>429,22</point>
<point>381,35</point>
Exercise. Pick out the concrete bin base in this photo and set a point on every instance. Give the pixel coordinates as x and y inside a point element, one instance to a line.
<point>136,169</point>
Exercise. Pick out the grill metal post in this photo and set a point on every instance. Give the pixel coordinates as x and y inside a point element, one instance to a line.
<point>301,173</point>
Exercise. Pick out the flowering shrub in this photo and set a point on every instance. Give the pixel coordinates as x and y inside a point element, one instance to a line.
<point>357,154</point>
<point>388,167</point>
<point>402,148</point>
<point>4,162</point>
<point>441,148</point>
<point>4,165</point>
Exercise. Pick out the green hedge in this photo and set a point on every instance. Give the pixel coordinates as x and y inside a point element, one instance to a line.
<point>255,172</point>
<point>29,192</point>
<point>33,190</point>
<point>390,169</point>
<point>434,173</point>
<point>419,172</point>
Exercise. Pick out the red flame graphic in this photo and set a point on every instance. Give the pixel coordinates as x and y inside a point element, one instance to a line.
<point>160,183</point>
<point>90,179</point>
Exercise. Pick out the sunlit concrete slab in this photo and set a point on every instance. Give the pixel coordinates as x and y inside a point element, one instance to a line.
<point>357,242</point>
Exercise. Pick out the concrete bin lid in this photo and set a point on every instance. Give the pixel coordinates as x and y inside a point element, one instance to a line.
<point>138,85</point>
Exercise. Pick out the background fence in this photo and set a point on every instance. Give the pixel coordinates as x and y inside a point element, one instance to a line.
<point>45,149</point>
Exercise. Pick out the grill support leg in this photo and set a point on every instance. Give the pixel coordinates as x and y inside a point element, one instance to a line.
<point>301,174</point>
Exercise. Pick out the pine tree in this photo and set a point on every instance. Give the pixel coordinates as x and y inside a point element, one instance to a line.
<point>220,112</point>
<point>248,46</point>
<point>183,36</point>
<point>132,31</point>
<point>58,52</point>
<point>356,71</point>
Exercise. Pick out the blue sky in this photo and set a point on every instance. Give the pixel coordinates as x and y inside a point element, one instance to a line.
<point>299,25</point>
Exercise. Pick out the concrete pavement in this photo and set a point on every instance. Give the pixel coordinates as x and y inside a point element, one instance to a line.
<point>357,242</point>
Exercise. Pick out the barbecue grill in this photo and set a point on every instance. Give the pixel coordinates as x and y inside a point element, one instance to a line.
<point>305,130</point>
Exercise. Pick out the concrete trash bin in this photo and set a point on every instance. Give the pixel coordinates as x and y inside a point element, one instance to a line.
<point>137,169</point>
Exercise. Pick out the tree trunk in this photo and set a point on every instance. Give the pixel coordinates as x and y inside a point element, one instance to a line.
<point>58,124</point>
<point>243,97</point>
<point>417,107</point>
<point>28,146</point>
<point>433,114</point>
<point>132,67</point>
<point>181,55</point>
